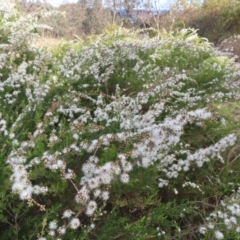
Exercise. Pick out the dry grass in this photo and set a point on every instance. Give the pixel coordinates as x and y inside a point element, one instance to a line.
<point>47,42</point>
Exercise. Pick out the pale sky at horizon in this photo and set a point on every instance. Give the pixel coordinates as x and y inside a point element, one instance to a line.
<point>56,3</point>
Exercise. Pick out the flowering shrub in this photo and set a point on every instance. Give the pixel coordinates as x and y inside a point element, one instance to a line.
<point>117,137</point>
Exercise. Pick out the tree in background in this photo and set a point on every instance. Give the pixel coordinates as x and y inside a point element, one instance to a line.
<point>97,17</point>
<point>84,17</point>
<point>92,16</point>
<point>217,19</point>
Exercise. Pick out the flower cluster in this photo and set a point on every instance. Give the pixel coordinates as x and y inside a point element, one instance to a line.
<point>225,218</point>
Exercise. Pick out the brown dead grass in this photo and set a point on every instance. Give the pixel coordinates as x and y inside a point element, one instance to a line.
<point>47,42</point>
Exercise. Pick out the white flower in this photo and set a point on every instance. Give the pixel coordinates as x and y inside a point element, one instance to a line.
<point>26,193</point>
<point>202,230</point>
<point>146,162</point>
<point>11,135</point>
<point>67,213</point>
<point>105,195</point>
<point>18,187</point>
<point>162,183</point>
<point>210,226</point>
<point>93,159</point>
<point>228,223</point>
<point>124,178</point>
<point>92,226</point>
<point>238,229</point>
<point>51,233</point>
<point>53,225</point>
<point>91,207</point>
<point>127,166</point>
<point>75,136</point>
<point>15,142</point>
<point>88,168</point>
<point>233,220</point>
<point>218,235</point>
<point>82,196</point>
<point>74,223</point>
<point>116,169</point>
<point>96,193</point>
<point>61,230</point>
<point>93,183</point>
<point>106,178</point>
<point>61,164</point>
<point>24,144</point>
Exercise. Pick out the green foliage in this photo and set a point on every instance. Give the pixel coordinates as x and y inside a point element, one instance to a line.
<point>217,20</point>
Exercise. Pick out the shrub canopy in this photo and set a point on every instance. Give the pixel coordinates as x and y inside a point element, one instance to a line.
<point>120,128</point>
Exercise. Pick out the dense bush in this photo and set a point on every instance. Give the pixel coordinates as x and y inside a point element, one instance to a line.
<point>116,137</point>
<point>214,19</point>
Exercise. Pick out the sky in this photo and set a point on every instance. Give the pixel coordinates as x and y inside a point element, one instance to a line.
<point>163,3</point>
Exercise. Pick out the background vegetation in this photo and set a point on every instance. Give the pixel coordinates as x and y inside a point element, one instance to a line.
<point>215,20</point>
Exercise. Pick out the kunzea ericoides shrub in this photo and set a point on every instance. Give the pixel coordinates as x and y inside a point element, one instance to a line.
<point>117,128</point>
